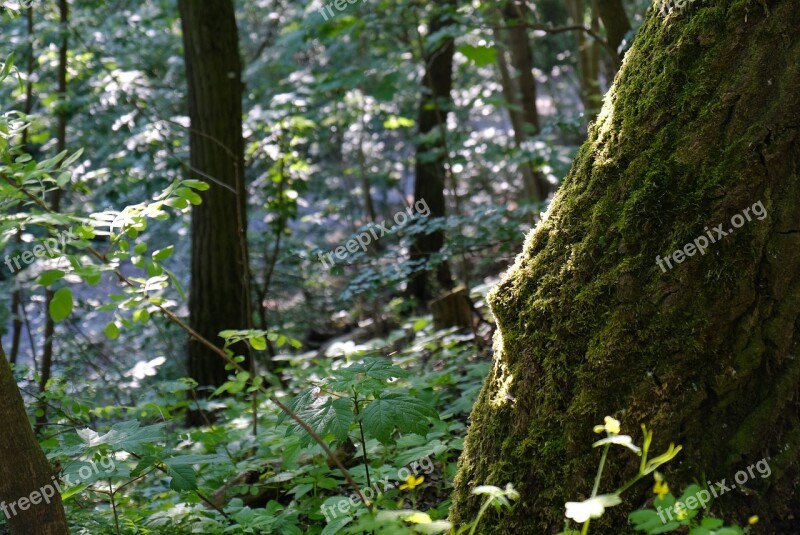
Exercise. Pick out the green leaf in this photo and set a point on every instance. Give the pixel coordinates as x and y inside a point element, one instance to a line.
<point>128,436</point>
<point>645,520</point>
<point>259,343</point>
<point>407,414</point>
<point>162,254</point>
<point>183,476</point>
<point>49,277</point>
<point>326,415</point>
<point>61,304</point>
<point>334,527</point>
<point>711,523</point>
<point>199,185</point>
<point>112,331</point>
<point>479,55</point>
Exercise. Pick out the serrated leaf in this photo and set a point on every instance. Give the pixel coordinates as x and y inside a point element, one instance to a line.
<point>407,414</point>
<point>183,476</point>
<point>326,415</point>
<point>128,436</point>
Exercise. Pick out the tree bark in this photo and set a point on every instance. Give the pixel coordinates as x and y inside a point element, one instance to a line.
<point>55,206</point>
<point>616,23</point>
<point>588,61</point>
<point>24,469</point>
<point>519,89</point>
<point>219,295</point>
<point>702,124</point>
<point>431,155</point>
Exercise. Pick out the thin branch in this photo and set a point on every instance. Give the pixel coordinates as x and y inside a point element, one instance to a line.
<point>561,29</point>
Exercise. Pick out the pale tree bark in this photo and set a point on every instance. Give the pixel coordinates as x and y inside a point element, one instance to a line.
<point>701,131</point>
<point>24,469</point>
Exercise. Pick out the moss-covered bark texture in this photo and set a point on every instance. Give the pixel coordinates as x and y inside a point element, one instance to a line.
<point>702,123</point>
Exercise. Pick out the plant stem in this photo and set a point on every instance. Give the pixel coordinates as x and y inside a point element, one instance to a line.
<point>363,442</point>
<point>484,507</point>
<point>600,471</point>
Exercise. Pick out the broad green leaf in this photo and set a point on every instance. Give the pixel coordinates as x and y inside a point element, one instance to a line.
<point>183,476</point>
<point>407,414</point>
<point>326,415</point>
<point>61,304</point>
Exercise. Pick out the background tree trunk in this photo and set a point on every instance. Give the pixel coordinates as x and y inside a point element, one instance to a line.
<point>55,206</point>
<point>23,466</point>
<point>431,155</point>
<point>702,123</point>
<point>588,60</point>
<point>219,297</point>
<point>616,23</point>
<point>519,89</point>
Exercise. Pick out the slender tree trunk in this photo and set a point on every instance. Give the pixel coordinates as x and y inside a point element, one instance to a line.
<point>616,23</point>
<point>219,297</point>
<point>17,303</point>
<point>431,156</point>
<point>24,469</point>
<point>55,206</point>
<point>519,89</point>
<point>588,61</point>
<point>699,135</point>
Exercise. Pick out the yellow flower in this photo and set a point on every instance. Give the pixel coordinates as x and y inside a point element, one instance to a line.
<point>661,488</point>
<point>611,426</point>
<point>680,512</point>
<point>412,482</point>
<point>752,520</point>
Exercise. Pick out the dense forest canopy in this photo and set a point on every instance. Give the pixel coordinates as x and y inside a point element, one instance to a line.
<point>393,267</point>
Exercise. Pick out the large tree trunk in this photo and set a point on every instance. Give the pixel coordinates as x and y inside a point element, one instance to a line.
<point>24,469</point>
<point>429,184</point>
<point>219,297</point>
<point>702,124</point>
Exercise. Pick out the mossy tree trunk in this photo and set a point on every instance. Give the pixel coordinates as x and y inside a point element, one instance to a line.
<point>702,124</point>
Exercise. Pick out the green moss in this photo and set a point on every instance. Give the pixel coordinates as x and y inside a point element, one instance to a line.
<point>589,325</point>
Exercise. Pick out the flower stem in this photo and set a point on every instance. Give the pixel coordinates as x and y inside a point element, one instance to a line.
<point>600,471</point>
